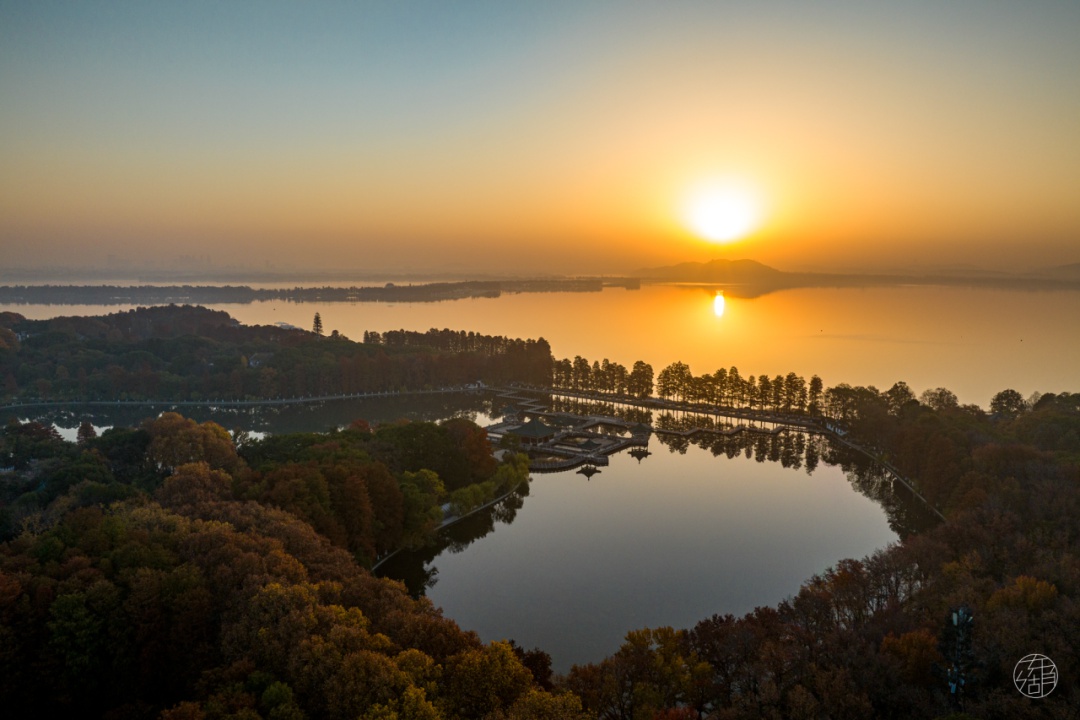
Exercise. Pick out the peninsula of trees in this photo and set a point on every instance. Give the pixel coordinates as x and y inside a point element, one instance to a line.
<point>188,353</point>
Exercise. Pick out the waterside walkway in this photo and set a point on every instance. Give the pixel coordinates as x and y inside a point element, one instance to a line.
<point>298,400</point>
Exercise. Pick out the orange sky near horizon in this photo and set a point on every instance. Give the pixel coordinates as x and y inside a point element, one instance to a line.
<point>542,140</point>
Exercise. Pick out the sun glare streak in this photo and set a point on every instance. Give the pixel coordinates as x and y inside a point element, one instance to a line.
<point>723,211</point>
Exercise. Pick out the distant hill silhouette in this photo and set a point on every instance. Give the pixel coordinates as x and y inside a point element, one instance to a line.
<point>716,271</point>
<point>749,278</point>
<point>1071,271</point>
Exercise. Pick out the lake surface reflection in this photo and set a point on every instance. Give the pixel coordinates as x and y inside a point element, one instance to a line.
<point>974,341</point>
<point>572,564</point>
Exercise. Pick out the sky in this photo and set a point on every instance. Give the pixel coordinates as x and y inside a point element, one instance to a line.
<point>525,138</point>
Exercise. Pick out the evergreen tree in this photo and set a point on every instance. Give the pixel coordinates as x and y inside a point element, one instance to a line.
<point>317,325</point>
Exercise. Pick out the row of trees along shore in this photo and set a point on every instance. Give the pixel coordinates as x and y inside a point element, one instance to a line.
<point>895,425</point>
<point>725,387</point>
<point>191,353</point>
<point>790,393</point>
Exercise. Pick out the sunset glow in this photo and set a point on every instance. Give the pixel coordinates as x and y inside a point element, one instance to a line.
<point>722,212</point>
<point>423,135</point>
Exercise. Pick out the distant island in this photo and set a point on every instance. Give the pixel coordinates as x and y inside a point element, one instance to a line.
<point>211,294</point>
<point>738,278</point>
<point>749,278</point>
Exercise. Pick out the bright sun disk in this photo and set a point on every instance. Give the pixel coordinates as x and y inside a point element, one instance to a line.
<point>723,212</point>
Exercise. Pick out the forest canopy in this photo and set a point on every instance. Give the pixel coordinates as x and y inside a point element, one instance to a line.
<point>166,570</point>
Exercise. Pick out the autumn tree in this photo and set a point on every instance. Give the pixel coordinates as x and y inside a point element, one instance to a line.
<point>939,399</point>
<point>176,440</point>
<point>194,483</point>
<point>897,397</point>
<point>484,680</point>
<point>1008,403</point>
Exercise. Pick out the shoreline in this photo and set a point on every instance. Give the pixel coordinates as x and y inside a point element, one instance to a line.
<point>453,520</point>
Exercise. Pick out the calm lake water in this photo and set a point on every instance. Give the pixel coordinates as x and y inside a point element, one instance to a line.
<point>974,341</point>
<point>674,539</point>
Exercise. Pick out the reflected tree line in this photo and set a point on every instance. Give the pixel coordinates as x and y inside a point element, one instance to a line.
<point>871,638</point>
<point>925,437</point>
<point>416,568</point>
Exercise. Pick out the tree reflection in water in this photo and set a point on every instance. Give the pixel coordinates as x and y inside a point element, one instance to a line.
<point>415,568</point>
<point>792,449</point>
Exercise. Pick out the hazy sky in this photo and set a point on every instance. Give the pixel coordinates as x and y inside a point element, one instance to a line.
<point>544,136</point>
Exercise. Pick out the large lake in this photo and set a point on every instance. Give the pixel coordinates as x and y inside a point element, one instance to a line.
<point>974,341</point>
<point>575,564</point>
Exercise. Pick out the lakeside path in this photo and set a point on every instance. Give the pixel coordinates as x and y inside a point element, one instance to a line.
<point>301,400</point>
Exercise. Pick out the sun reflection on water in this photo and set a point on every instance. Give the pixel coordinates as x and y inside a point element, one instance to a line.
<point>718,305</point>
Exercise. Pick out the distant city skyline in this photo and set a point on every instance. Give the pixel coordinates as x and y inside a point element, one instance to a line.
<point>560,137</point>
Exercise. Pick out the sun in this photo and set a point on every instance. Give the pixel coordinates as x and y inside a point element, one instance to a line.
<point>722,211</point>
